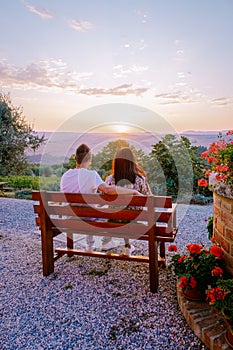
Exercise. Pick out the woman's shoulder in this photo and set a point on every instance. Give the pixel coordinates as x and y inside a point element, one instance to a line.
<point>140,178</point>
<point>110,179</point>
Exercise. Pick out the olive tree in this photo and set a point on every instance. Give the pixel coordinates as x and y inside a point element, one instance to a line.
<point>16,136</point>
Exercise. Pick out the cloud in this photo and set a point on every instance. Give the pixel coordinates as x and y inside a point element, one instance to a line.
<point>135,46</point>
<point>192,96</point>
<point>55,74</point>
<point>143,16</point>
<point>120,70</point>
<point>43,74</point>
<point>80,26</point>
<point>222,101</point>
<point>122,90</point>
<point>42,13</point>
<point>181,75</point>
<point>175,97</point>
<point>180,53</point>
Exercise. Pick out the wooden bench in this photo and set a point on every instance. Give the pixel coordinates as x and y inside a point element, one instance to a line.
<point>152,219</point>
<point>2,184</point>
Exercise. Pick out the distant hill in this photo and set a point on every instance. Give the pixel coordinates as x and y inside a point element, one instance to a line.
<point>61,145</point>
<point>201,138</point>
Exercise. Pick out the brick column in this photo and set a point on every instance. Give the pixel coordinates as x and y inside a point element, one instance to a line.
<point>223,227</point>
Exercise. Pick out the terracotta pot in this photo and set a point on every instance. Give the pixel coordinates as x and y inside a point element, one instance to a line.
<point>229,334</point>
<point>194,294</point>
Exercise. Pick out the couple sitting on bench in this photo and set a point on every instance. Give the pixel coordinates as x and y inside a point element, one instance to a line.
<point>126,178</point>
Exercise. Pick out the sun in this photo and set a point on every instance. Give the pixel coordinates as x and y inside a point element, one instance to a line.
<point>121,128</point>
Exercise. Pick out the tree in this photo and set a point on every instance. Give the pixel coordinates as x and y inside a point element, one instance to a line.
<point>164,170</point>
<point>174,165</point>
<point>16,136</point>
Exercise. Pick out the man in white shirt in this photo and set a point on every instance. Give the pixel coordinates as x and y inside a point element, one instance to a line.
<point>83,180</point>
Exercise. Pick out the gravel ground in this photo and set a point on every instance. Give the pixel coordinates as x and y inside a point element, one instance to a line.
<point>88,303</point>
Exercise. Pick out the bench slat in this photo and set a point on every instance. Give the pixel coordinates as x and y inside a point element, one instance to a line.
<point>107,213</point>
<point>103,255</point>
<point>102,199</point>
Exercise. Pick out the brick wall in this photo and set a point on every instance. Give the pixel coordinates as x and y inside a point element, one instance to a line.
<point>223,227</point>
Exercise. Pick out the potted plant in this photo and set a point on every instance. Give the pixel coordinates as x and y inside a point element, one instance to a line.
<point>220,299</point>
<point>219,171</point>
<point>198,269</point>
<point>219,174</point>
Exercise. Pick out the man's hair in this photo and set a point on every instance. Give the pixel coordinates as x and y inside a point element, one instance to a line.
<point>83,154</point>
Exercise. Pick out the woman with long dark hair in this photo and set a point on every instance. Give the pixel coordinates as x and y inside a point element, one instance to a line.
<point>127,173</point>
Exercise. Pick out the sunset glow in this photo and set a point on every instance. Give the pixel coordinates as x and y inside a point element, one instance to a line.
<point>63,58</point>
<point>122,129</point>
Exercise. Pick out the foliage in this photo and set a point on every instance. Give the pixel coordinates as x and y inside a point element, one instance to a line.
<point>20,182</point>
<point>50,183</point>
<point>32,182</point>
<point>16,136</point>
<point>209,226</point>
<point>200,268</point>
<point>46,170</point>
<point>220,159</point>
<point>220,299</point>
<point>200,199</point>
<point>24,194</point>
<point>174,161</point>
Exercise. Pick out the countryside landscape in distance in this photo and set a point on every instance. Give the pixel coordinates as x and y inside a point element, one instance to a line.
<point>97,141</point>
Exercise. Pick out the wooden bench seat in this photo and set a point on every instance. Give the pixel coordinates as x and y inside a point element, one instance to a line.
<point>147,218</point>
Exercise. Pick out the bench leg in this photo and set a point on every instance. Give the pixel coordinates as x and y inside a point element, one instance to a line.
<point>70,243</point>
<point>47,253</point>
<point>153,266</point>
<point>162,250</point>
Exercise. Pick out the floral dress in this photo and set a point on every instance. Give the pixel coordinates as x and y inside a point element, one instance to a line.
<point>140,184</point>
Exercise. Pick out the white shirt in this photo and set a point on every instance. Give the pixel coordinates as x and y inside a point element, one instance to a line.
<point>80,180</point>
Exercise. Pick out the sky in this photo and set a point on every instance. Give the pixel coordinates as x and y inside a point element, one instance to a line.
<point>171,58</point>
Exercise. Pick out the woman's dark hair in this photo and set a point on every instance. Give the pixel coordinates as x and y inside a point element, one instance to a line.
<point>83,154</point>
<point>125,168</point>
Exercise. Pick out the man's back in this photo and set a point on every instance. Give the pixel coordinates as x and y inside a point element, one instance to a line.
<point>80,180</point>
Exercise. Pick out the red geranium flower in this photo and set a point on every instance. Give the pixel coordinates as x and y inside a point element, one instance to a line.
<point>194,248</point>
<point>172,248</point>
<point>221,168</point>
<point>205,154</point>
<point>216,294</point>
<point>203,182</point>
<point>212,159</point>
<point>192,282</point>
<point>221,177</point>
<point>216,251</point>
<point>183,282</point>
<point>181,258</point>
<point>217,271</point>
